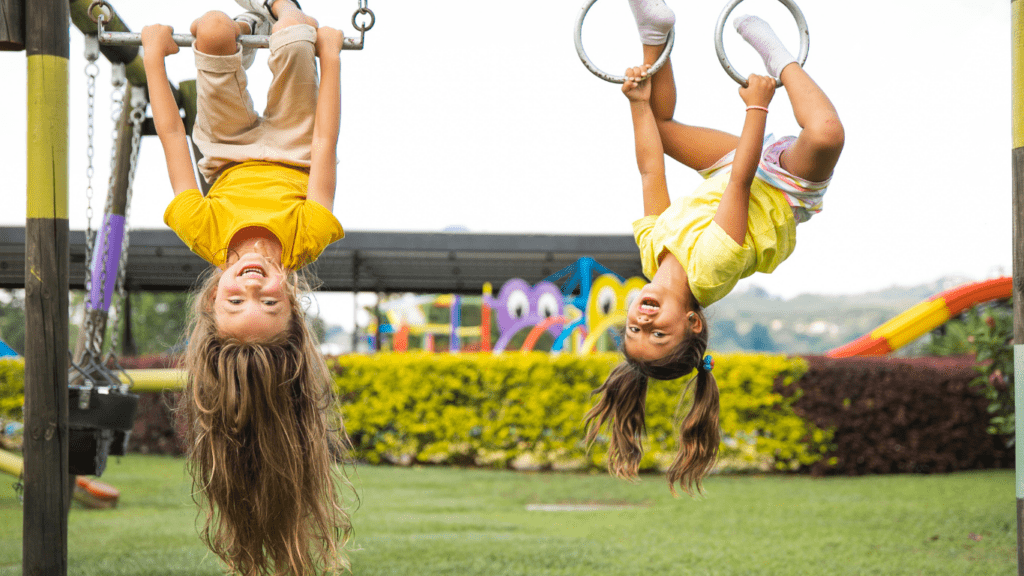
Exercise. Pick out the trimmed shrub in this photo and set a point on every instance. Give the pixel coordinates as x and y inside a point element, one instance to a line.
<point>526,410</point>
<point>156,429</point>
<point>899,415</point>
<point>12,388</point>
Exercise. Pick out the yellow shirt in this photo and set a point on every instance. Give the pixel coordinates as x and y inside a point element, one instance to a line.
<point>713,261</point>
<point>264,194</point>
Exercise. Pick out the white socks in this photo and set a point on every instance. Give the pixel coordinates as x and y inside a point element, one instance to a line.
<point>654,19</point>
<point>760,35</point>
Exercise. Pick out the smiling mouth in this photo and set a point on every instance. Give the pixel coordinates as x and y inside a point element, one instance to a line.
<point>649,306</point>
<point>253,271</point>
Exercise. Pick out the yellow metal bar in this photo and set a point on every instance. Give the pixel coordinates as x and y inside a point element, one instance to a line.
<point>11,463</point>
<point>443,330</point>
<point>48,147</point>
<point>156,380</point>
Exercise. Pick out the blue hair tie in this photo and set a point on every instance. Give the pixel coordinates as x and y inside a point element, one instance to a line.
<point>708,364</point>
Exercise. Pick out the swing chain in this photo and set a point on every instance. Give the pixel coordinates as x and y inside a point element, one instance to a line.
<point>137,116</point>
<point>94,344</point>
<point>19,488</point>
<point>363,10</point>
<point>92,54</point>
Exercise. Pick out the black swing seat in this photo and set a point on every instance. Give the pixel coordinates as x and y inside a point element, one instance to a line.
<point>100,420</point>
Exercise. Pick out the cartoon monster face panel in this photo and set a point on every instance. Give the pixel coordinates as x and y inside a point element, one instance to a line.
<point>519,304</point>
<point>609,295</point>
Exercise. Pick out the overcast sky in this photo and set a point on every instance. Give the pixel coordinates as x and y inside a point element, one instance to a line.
<point>479,114</point>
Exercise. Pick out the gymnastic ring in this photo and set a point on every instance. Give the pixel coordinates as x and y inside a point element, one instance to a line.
<point>801,24</point>
<point>601,73</point>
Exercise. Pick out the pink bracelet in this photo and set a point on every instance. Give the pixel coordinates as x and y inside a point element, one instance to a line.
<point>749,108</point>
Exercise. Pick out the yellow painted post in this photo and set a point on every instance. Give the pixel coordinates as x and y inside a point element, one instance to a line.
<point>47,490</point>
<point>1017,128</point>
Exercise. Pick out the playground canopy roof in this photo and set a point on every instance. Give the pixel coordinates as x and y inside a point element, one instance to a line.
<point>424,262</point>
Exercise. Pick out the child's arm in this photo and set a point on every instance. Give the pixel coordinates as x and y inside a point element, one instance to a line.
<point>158,44</point>
<point>650,154</point>
<point>732,211</point>
<point>323,168</point>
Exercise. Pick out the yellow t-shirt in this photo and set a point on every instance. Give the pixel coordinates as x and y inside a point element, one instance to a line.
<point>713,261</point>
<point>263,194</point>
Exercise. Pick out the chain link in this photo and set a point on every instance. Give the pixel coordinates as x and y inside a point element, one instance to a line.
<point>136,117</point>
<point>91,71</point>
<point>94,345</point>
<point>363,10</point>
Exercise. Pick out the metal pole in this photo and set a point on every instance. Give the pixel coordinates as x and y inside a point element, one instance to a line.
<point>1017,125</point>
<point>45,528</point>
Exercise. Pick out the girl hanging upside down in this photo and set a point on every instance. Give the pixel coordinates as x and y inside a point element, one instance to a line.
<point>741,220</point>
<point>262,432</point>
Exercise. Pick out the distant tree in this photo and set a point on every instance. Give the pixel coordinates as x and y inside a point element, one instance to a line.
<point>158,321</point>
<point>759,339</point>
<point>317,326</point>
<point>12,319</point>
<point>723,331</point>
<point>988,335</point>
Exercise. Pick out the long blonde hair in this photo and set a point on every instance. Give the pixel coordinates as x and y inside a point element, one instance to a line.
<point>263,435</point>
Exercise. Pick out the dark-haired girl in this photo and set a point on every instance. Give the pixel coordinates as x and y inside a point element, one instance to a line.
<point>742,219</point>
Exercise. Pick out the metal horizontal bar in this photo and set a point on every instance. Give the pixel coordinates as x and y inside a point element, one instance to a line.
<point>186,40</point>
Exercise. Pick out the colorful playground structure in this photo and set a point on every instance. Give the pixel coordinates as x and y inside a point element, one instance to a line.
<point>924,317</point>
<point>591,301</point>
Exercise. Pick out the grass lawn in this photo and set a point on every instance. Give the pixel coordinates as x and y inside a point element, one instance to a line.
<point>424,521</point>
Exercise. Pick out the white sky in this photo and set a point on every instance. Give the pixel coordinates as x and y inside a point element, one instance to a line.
<point>480,114</point>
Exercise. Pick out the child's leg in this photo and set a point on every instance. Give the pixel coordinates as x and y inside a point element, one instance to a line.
<point>216,34</point>
<point>288,14</point>
<point>816,151</point>
<point>696,147</point>
<point>292,95</point>
<point>225,118</point>
<point>814,154</point>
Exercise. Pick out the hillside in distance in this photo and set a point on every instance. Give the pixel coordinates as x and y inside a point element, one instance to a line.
<point>755,320</point>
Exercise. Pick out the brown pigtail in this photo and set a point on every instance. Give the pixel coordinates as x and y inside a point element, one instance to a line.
<point>622,404</point>
<point>699,436</point>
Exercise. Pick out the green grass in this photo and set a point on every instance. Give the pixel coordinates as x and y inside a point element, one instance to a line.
<point>425,521</point>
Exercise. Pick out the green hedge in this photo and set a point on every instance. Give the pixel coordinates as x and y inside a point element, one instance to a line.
<point>12,388</point>
<point>526,410</point>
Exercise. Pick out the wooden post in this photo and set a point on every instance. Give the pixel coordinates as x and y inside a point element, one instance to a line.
<point>12,25</point>
<point>45,528</point>
<point>1017,130</point>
